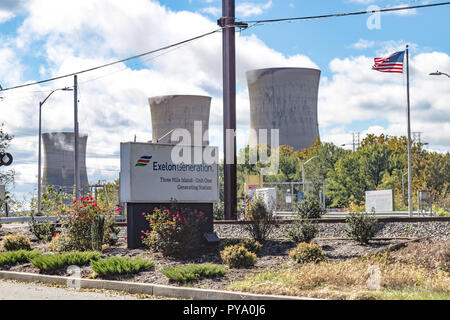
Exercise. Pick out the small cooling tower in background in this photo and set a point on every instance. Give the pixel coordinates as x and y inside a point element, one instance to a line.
<point>178,111</point>
<point>59,160</point>
<point>285,99</point>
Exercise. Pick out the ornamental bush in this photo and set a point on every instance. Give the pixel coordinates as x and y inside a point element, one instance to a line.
<point>238,256</point>
<point>52,262</point>
<point>307,252</point>
<point>191,272</point>
<point>361,226</point>
<point>14,242</point>
<point>115,265</point>
<point>310,209</point>
<point>81,225</point>
<point>261,220</point>
<point>60,243</point>
<point>303,231</point>
<point>11,258</point>
<point>42,230</point>
<point>174,232</point>
<point>249,244</point>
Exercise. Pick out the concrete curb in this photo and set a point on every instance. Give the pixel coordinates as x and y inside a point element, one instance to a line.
<point>144,288</point>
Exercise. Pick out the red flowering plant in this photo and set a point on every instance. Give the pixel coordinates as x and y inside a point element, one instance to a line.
<point>174,231</point>
<point>80,218</point>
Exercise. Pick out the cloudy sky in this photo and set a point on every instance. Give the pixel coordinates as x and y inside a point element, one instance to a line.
<point>41,39</point>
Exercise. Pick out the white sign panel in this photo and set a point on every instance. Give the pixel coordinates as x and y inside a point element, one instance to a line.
<point>155,173</point>
<point>379,200</point>
<point>269,196</point>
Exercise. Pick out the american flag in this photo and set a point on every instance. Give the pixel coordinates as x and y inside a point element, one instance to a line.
<point>393,63</point>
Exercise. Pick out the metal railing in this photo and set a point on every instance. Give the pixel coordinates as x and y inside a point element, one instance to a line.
<point>118,218</point>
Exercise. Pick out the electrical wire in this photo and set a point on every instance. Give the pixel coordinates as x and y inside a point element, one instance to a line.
<point>254,22</point>
<point>334,15</point>
<point>114,62</point>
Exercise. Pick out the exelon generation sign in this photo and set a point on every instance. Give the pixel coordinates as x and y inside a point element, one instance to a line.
<point>157,173</point>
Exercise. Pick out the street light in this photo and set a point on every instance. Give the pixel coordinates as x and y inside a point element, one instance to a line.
<point>39,153</point>
<point>303,172</point>
<point>438,73</point>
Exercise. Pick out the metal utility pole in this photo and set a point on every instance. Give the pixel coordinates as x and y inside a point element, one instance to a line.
<point>76,145</point>
<point>227,22</point>
<point>39,150</point>
<point>410,200</point>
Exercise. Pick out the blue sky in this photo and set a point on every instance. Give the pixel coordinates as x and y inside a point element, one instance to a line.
<point>46,38</point>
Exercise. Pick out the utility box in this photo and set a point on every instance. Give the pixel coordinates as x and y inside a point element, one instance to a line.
<point>269,196</point>
<point>379,201</point>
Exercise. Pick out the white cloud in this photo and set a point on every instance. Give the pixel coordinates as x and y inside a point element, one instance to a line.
<point>357,93</point>
<point>113,101</point>
<point>247,9</point>
<point>214,11</point>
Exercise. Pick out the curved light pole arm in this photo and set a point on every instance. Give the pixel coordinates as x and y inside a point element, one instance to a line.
<point>303,172</point>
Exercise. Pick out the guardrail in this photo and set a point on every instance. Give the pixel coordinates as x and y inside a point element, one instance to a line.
<point>118,218</point>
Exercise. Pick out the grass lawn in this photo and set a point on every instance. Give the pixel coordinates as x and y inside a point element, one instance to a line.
<point>347,279</point>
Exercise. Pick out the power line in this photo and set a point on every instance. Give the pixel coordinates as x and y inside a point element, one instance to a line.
<point>333,15</point>
<point>114,62</point>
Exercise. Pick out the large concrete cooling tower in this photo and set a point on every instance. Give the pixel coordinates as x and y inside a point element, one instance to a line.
<point>178,111</point>
<point>59,160</point>
<point>285,99</point>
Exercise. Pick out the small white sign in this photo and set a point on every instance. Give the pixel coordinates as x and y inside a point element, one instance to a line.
<point>379,200</point>
<point>151,173</point>
<point>288,199</point>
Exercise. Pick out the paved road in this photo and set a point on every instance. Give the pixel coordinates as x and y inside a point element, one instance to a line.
<point>22,291</point>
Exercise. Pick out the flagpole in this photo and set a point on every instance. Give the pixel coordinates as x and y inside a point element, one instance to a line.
<point>410,203</point>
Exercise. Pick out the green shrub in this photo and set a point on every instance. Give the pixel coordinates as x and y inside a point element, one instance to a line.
<point>261,219</point>
<point>80,221</point>
<point>61,243</point>
<point>52,262</point>
<point>111,231</point>
<point>238,257</point>
<point>114,265</point>
<point>219,210</point>
<point>310,209</point>
<point>42,230</point>
<point>192,272</point>
<point>307,252</point>
<point>14,242</point>
<point>361,226</point>
<point>174,232</point>
<point>303,231</point>
<point>249,244</point>
<point>11,258</point>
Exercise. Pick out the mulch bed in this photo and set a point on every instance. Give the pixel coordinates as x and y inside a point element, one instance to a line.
<point>274,255</point>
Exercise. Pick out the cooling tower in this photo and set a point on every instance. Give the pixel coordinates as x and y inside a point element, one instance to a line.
<point>59,160</point>
<point>178,111</point>
<point>285,99</point>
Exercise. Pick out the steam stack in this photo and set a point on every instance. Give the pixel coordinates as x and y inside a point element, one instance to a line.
<point>178,111</point>
<point>59,160</point>
<point>285,99</point>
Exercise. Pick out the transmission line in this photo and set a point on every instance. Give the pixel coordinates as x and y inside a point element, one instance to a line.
<point>114,62</point>
<point>334,15</point>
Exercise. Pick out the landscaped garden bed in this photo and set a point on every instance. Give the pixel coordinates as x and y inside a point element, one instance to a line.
<point>334,268</point>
